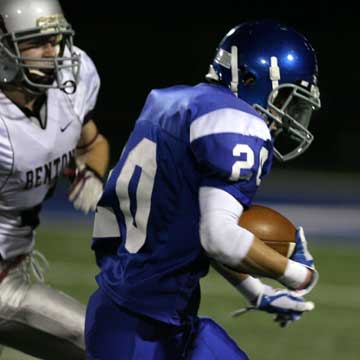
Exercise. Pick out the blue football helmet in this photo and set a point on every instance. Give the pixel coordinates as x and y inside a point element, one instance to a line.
<point>274,69</point>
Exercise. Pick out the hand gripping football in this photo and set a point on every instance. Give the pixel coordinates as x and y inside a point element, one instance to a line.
<point>273,228</point>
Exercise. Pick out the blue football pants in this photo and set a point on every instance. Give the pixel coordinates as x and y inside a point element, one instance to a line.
<point>114,333</point>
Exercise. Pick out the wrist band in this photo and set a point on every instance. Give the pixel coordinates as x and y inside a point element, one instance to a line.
<point>251,288</point>
<point>294,276</point>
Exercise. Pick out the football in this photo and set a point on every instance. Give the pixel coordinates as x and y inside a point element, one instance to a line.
<point>273,228</point>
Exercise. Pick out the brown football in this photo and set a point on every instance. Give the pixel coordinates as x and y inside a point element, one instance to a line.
<point>273,228</point>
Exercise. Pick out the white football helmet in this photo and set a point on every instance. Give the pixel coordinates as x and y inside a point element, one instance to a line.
<point>23,20</point>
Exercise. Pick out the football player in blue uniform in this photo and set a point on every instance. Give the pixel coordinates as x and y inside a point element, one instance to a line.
<point>192,164</point>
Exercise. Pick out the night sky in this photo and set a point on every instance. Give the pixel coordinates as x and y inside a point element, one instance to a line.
<point>153,46</point>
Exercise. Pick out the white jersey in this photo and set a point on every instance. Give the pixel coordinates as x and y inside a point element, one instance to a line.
<point>32,157</point>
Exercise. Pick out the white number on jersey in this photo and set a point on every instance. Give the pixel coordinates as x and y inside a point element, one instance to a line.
<point>248,163</point>
<point>143,155</point>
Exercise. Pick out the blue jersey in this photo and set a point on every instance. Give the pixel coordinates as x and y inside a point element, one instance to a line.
<point>146,231</point>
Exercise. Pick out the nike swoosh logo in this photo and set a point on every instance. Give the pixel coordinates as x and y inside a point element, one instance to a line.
<point>65,127</point>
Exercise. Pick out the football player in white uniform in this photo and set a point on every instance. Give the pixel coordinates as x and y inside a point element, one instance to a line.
<point>48,89</point>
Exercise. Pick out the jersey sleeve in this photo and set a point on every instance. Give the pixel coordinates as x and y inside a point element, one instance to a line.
<point>85,97</point>
<point>6,154</point>
<point>106,233</point>
<point>233,150</point>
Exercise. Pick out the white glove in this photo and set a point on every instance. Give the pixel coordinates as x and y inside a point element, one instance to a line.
<point>287,305</point>
<point>86,189</point>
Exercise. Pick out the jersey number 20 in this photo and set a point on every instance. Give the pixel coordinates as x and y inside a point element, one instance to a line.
<point>249,162</point>
<point>142,158</point>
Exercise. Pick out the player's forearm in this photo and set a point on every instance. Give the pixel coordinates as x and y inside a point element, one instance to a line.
<point>247,285</point>
<point>233,277</point>
<point>96,155</point>
<point>228,243</point>
<point>261,260</point>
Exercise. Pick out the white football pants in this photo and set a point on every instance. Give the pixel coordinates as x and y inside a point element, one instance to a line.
<point>37,319</point>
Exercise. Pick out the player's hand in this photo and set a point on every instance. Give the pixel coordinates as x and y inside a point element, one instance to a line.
<point>287,305</point>
<point>302,255</point>
<point>86,189</point>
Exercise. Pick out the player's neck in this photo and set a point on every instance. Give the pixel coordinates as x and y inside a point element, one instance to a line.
<point>21,97</point>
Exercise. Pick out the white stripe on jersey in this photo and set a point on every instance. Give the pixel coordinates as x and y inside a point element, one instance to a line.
<point>229,120</point>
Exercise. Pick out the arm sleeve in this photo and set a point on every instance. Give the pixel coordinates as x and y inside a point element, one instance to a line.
<point>220,235</point>
<point>106,235</point>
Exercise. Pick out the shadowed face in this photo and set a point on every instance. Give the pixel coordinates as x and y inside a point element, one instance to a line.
<point>43,47</point>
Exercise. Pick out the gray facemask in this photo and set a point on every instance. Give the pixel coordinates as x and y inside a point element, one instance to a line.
<point>24,20</point>
<point>288,114</point>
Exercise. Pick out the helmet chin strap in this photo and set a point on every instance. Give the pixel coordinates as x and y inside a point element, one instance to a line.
<point>274,72</point>
<point>33,90</point>
<point>234,70</point>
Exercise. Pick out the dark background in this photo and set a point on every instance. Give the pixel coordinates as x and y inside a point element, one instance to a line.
<point>150,45</point>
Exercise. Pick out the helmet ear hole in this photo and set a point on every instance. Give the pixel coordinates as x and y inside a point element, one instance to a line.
<point>249,79</point>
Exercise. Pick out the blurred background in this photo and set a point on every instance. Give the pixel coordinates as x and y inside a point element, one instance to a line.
<point>152,45</point>
<point>157,45</point>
